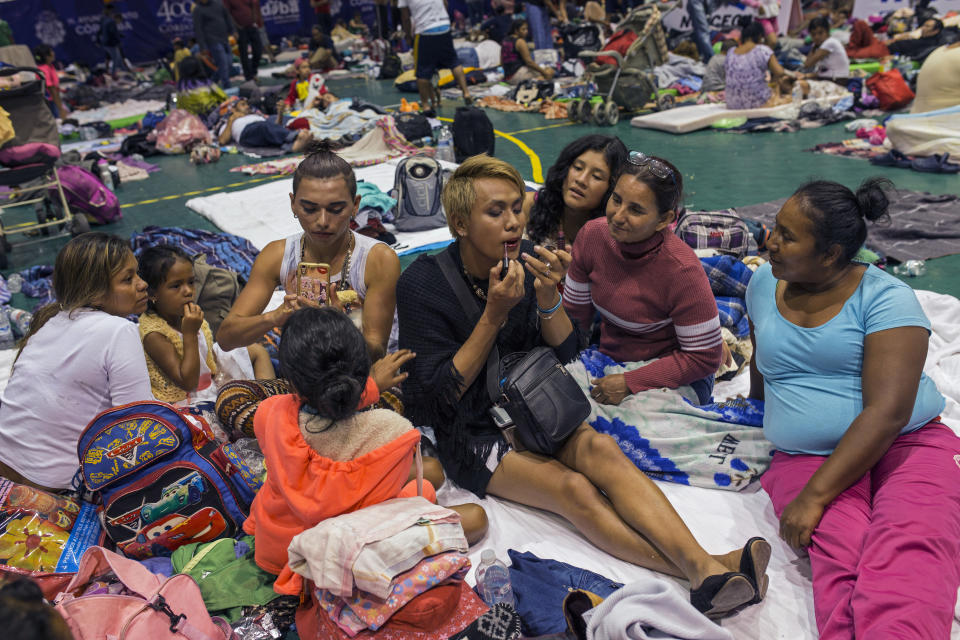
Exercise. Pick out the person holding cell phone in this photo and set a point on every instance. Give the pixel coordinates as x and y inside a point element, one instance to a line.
<point>340,267</point>
<point>590,481</point>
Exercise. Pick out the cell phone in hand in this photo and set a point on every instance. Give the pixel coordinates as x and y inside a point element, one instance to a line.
<point>313,281</point>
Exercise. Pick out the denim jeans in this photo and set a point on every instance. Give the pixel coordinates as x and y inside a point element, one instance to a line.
<point>116,58</point>
<point>251,48</point>
<point>699,11</point>
<point>540,585</point>
<point>538,18</point>
<point>223,59</point>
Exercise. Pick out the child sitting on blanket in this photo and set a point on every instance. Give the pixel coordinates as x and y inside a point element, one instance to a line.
<point>324,456</point>
<point>182,358</point>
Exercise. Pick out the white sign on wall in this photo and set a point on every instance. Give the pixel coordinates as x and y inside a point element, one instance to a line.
<point>864,8</point>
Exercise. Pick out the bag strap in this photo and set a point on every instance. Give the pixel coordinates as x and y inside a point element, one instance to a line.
<point>472,308</point>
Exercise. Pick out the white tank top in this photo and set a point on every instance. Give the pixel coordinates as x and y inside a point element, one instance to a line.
<point>356,276</point>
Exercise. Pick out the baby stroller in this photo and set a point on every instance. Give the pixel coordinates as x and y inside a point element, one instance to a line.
<point>28,175</point>
<point>628,80</point>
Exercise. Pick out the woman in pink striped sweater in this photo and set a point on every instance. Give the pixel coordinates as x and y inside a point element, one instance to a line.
<point>652,294</point>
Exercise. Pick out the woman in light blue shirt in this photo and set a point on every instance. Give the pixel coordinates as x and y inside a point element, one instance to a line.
<point>865,476</point>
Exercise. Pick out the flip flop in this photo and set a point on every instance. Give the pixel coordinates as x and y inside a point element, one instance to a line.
<point>935,164</point>
<point>893,158</point>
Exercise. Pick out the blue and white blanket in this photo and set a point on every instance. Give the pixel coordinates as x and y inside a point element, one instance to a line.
<point>670,438</point>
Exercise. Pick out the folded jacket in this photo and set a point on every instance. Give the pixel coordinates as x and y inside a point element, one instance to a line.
<point>363,611</point>
<point>327,552</point>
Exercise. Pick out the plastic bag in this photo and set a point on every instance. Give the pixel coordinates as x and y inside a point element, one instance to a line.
<point>43,536</point>
<point>179,132</point>
<point>891,89</point>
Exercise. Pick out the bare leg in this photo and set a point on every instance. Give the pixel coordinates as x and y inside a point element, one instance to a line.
<point>639,502</point>
<point>262,365</point>
<point>461,81</point>
<point>302,141</point>
<point>473,517</point>
<point>432,472</point>
<point>426,92</point>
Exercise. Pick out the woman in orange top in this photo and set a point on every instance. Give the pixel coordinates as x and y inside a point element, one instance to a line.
<point>324,457</point>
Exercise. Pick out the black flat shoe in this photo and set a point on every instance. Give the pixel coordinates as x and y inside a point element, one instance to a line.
<point>753,564</point>
<point>722,594</point>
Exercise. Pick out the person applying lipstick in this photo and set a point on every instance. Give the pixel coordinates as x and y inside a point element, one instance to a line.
<point>590,481</point>
<point>652,294</point>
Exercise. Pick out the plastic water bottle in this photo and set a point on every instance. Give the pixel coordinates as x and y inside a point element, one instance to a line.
<point>114,175</point>
<point>7,339</point>
<point>445,145</point>
<point>493,580</point>
<point>15,283</point>
<point>19,320</point>
<point>104,168</point>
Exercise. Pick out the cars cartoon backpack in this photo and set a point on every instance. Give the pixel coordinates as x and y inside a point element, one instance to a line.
<point>163,480</point>
<point>113,597</point>
<point>417,185</point>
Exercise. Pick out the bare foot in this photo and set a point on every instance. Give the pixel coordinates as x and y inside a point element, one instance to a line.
<point>304,138</point>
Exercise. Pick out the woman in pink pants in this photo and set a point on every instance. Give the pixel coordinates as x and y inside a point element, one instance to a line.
<point>865,476</point>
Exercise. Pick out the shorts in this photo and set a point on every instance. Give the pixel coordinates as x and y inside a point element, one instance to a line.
<point>432,52</point>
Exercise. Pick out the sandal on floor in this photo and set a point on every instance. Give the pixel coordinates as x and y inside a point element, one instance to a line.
<point>753,564</point>
<point>893,158</point>
<point>935,164</point>
<point>720,595</point>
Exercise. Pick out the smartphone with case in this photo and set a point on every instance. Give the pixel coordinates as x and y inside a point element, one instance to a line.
<point>313,281</point>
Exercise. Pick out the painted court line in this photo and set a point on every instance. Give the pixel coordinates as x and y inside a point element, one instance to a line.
<point>207,190</point>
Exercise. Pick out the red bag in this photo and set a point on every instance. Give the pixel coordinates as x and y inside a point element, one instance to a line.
<point>890,89</point>
<point>619,42</point>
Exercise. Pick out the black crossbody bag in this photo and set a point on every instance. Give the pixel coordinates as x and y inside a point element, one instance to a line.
<point>536,402</point>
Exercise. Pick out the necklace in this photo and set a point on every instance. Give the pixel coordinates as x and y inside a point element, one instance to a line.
<point>345,269</point>
<point>480,293</point>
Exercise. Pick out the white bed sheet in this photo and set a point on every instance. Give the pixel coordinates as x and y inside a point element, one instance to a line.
<point>720,520</point>
<point>262,213</point>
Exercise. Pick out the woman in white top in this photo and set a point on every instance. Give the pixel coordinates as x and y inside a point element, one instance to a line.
<point>324,200</point>
<point>827,57</point>
<point>81,356</point>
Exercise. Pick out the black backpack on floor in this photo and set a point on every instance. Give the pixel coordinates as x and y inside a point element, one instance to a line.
<point>413,126</point>
<point>391,66</point>
<point>472,133</point>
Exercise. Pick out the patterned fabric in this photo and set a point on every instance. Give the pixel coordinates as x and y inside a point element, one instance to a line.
<point>729,278</point>
<point>237,403</point>
<point>500,623</point>
<point>165,389</point>
<point>220,249</point>
<point>747,78</point>
<point>669,438</point>
<point>38,283</point>
<point>361,611</point>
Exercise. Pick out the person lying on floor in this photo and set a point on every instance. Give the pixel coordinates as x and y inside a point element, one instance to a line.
<point>80,357</point>
<point>251,129</point>
<point>649,287</point>
<point>363,271</point>
<point>590,482</point>
<point>931,35</point>
<point>324,457</point>
<point>575,191</point>
<point>865,475</point>
<point>182,358</point>
<point>517,59</point>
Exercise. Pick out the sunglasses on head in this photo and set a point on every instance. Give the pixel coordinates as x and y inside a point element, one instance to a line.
<point>653,165</point>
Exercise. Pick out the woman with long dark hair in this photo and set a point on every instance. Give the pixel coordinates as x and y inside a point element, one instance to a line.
<point>576,189</point>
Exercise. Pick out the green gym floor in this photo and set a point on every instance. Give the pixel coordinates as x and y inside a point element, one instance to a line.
<point>719,170</point>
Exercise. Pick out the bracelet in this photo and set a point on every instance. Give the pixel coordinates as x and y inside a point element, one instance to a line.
<point>546,314</point>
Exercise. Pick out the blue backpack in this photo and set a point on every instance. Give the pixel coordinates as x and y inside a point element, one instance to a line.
<point>163,480</point>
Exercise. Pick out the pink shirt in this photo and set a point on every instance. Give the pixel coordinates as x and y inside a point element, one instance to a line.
<point>50,74</point>
<point>655,301</point>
